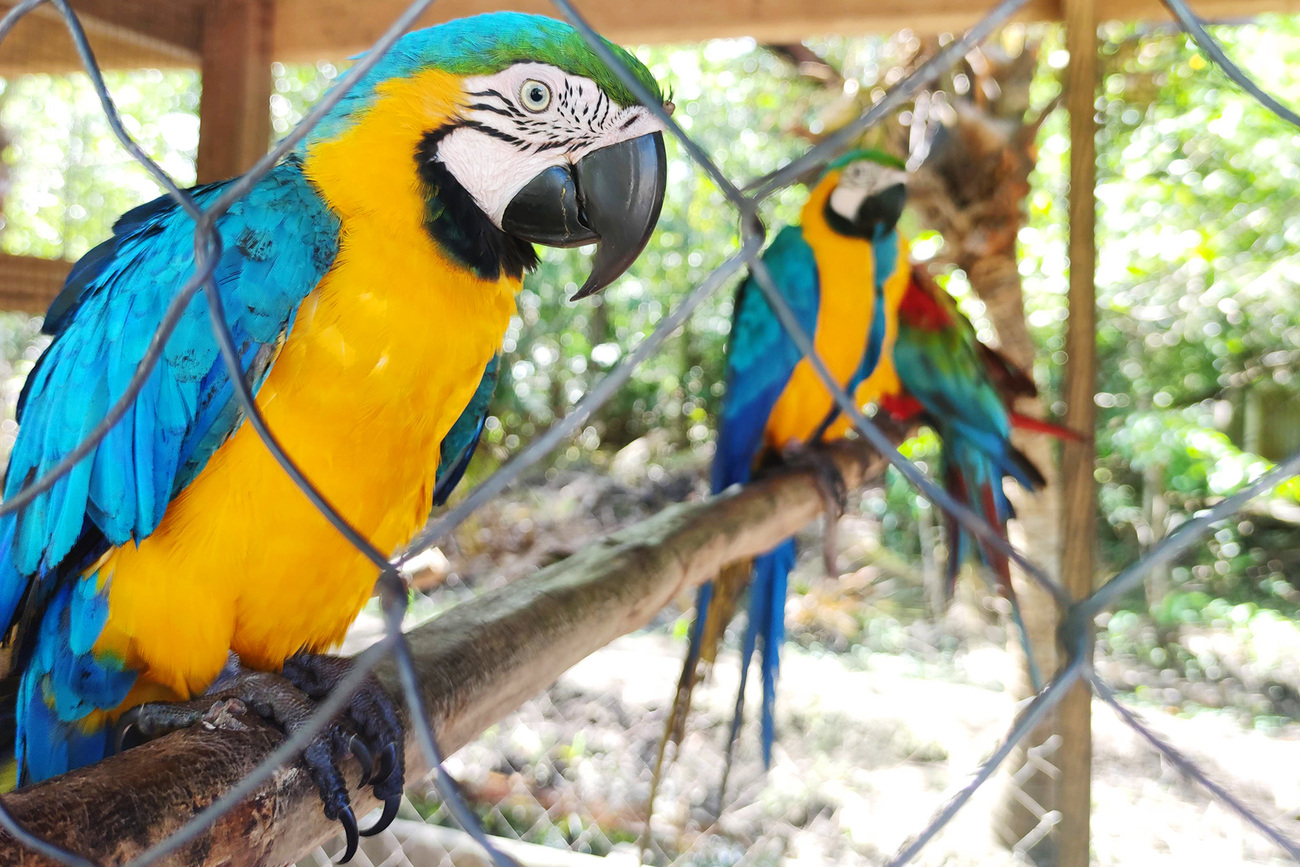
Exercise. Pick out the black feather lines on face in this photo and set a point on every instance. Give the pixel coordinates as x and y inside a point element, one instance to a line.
<point>572,123</point>
<point>505,109</point>
<point>455,220</point>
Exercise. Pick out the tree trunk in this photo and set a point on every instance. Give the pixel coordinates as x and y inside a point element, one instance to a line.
<point>971,188</point>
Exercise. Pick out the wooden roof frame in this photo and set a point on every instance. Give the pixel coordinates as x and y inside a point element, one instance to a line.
<point>172,31</point>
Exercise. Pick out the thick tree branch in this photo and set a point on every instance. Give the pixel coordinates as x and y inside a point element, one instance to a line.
<point>476,662</point>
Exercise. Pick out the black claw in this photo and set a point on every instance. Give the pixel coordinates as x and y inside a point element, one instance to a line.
<point>829,546</point>
<point>362,754</point>
<point>349,822</point>
<point>280,702</point>
<point>387,764</point>
<point>125,729</point>
<point>370,729</point>
<point>390,813</point>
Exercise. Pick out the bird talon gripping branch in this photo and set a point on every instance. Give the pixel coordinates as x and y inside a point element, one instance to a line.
<point>371,724</point>
<point>368,279</point>
<point>826,474</point>
<point>831,486</point>
<point>377,735</point>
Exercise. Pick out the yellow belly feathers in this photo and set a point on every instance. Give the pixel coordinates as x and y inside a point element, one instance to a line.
<point>846,277</point>
<point>884,379</point>
<point>383,356</point>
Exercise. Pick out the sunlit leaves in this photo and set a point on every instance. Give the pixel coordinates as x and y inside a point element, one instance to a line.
<point>68,177</point>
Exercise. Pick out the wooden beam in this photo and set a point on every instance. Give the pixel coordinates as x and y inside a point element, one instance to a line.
<point>168,33</point>
<point>235,106</point>
<point>477,662</point>
<point>174,23</point>
<point>28,284</point>
<point>1078,491</point>
<point>135,34</point>
<point>334,29</point>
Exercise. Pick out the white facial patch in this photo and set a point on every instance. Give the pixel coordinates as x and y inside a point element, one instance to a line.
<point>859,181</point>
<point>526,119</point>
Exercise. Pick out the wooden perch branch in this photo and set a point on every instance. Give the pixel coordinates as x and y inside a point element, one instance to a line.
<point>476,663</point>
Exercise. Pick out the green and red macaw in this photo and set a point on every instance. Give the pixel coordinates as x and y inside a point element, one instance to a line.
<point>841,269</point>
<point>966,392</point>
<point>368,279</point>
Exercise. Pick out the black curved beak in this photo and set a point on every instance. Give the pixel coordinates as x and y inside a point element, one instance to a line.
<point>880,212</point>
<point>611,198</point>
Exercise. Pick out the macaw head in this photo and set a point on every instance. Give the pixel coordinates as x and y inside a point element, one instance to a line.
<point>868,193</point>
<point>515,133</point>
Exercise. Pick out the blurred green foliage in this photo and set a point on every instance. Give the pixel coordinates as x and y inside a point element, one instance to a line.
<point>1199,325</point>
<point>68,177</point>
<point>1198,321</point>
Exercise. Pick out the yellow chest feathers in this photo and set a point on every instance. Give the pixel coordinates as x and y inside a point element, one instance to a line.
<point>382,358</point>
<point>846,300</point>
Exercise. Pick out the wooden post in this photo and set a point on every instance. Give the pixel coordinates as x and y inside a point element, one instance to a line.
<point>235,108</point>
<point>1074,717</point>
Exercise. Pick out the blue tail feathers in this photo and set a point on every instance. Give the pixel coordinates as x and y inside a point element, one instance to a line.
<point>65,682</point>
<point>766,626</point>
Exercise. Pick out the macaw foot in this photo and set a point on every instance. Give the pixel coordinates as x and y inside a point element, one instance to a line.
<point>369,726</point>
<point>375,721</point>
<point>833,489</point>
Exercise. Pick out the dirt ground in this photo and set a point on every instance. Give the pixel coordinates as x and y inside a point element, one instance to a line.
<point>868,747</point>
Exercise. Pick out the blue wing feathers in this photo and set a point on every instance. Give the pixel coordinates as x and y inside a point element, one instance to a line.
<point>875,343</point>
<point>461,440</point>
<point>761,355</point>
<point>761,359</point>
<point>764,634</point>
<point>277,244</point>
<point>12,585</point>
<point>63,682</point>
<point>884,252</point>
<point>88,614</point>
<point>773,569</point>
<point>142,457</point>
<point>112,504</point>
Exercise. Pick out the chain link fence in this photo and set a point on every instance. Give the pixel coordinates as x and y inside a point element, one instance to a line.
<point>866,738</point>
<point>541,776</point>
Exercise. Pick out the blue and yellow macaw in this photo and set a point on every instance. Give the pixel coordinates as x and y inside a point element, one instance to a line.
<point>368,280</point>
<point>965,391</point>
<point>842,270</point>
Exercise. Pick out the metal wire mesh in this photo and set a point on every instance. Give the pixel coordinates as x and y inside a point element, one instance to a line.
<point>1077,616</point>
<point>864,742</point>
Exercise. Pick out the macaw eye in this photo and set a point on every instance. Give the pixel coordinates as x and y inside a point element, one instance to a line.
<point>534,95</point>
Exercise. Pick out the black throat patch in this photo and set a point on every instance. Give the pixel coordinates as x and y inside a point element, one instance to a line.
<point>841,226</point>
<point>455,221</point>
<point>878,213</point>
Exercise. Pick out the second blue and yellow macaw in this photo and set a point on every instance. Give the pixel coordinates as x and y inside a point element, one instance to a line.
<point>368,280</point>
<point>841,270</point>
